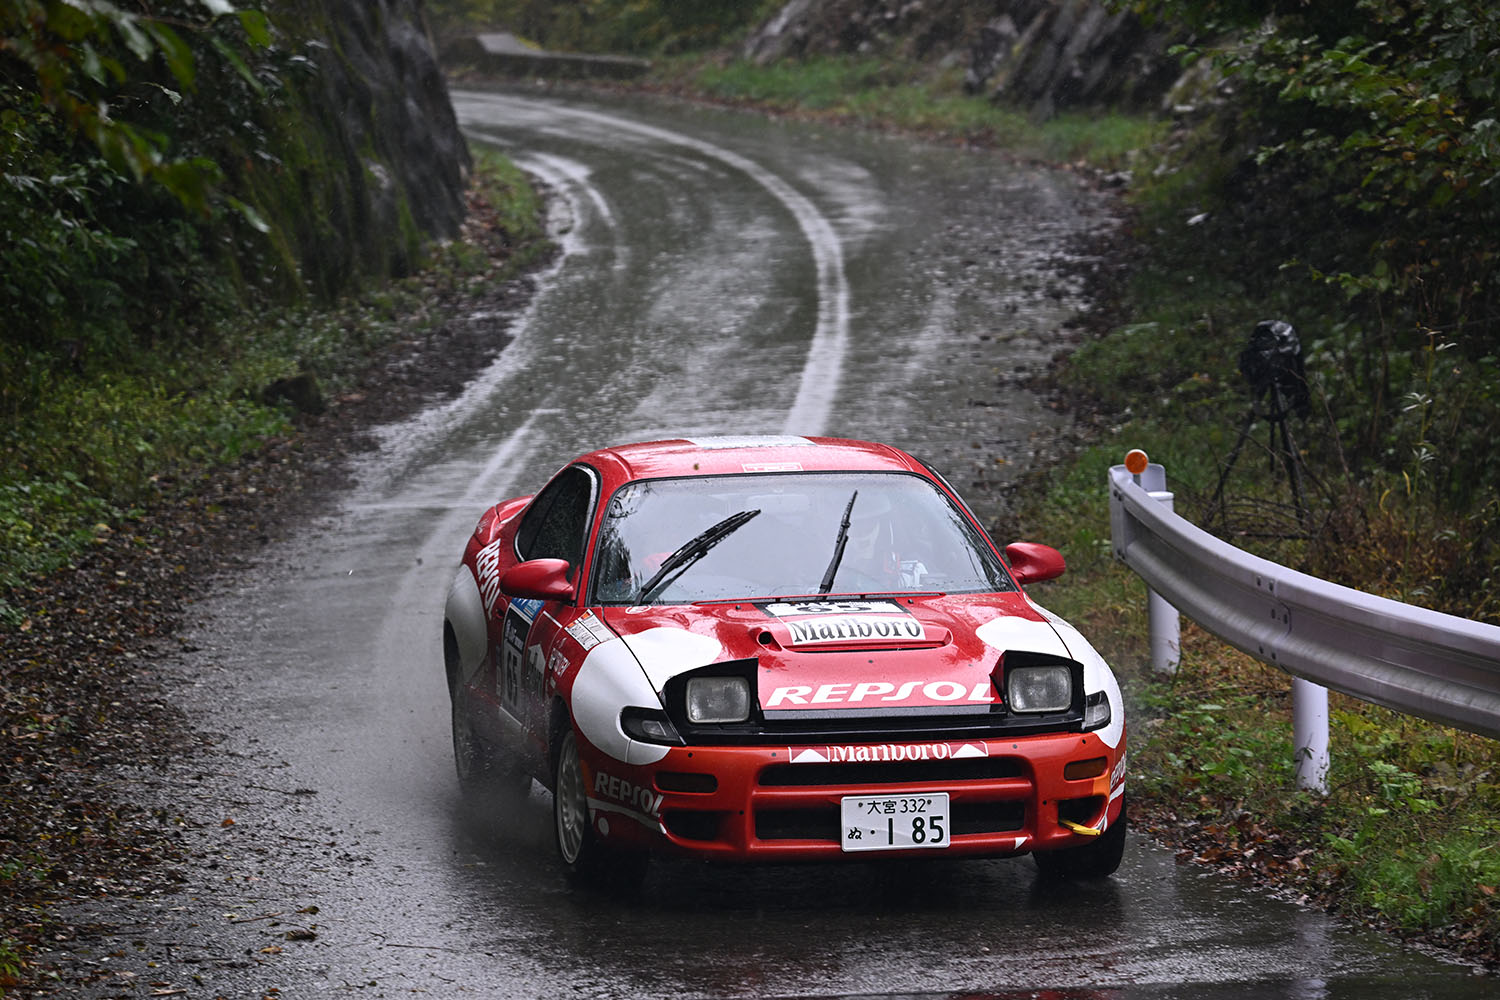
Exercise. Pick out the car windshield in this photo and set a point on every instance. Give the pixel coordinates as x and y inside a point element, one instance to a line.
<point>718,538</point>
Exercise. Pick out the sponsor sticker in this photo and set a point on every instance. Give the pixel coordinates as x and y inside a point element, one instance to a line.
<point>615,789</point>
<point>855,628</point>
<point>487,572</point>
<point>526,607</point>
<point>771,466</point>
<point>588,631</point>
<point>750,441</point>
<point>886,752</point>
<point>799,609</point>
<point>518,620</point>
<point>885,693</point>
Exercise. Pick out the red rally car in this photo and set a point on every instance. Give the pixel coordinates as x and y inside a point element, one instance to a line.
<point>778,649</point>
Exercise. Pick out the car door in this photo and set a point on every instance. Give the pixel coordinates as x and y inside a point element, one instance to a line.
<point>555,526</point>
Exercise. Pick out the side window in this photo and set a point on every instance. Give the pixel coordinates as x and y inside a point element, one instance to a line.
<point>555,524</point>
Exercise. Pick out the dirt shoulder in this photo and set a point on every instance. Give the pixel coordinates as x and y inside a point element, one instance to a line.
<point>80,693</point>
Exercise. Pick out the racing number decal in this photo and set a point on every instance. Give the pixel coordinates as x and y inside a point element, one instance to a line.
<point>519,618</point>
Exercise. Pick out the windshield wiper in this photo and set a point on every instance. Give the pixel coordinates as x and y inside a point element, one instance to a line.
<point>696,548</point>
<point>838,547</point>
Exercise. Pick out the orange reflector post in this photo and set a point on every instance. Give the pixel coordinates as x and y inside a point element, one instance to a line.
<point>1135,462</point>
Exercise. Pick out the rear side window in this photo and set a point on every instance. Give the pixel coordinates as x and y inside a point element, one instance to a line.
<point>556,523</point>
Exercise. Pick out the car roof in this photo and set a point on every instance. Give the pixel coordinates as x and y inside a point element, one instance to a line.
<point>723,455</point>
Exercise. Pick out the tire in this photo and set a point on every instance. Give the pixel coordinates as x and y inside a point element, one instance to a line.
<point>1097,859</point>
<point>481,771</point>
<point>573,831</point>
<point>470,752</point>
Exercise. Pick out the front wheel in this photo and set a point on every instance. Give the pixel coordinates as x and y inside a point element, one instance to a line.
<point>1098,858</point>
<point>570,805</point>
<point>573,830</point>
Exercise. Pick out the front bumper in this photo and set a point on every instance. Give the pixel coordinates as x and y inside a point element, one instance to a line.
<point>781,803</point>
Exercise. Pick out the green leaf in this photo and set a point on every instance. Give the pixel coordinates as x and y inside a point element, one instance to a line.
<point>175,51</point>
<point>135,39</point>
<point>257,26</point>
<point>69,22</point>
<point>190,181</point>
<point>257,222</point>
<point>233,58</point>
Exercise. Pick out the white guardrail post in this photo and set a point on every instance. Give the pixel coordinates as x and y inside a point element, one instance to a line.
<point>1165,624</point>
<point>1408,659</point>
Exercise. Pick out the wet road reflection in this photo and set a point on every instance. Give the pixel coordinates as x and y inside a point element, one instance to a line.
<point>721,273</point>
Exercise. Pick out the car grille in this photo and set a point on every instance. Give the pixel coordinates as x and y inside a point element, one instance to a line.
<point>891,772</point>
<point>864,729</point>
<point>823,823</point>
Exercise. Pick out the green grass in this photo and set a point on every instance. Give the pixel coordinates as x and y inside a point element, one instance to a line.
<point>82,449</point>
<point>890,94</point>
<point>1410,831</point>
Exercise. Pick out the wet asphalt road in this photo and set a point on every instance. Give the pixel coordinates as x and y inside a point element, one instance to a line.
<point>721,273</point>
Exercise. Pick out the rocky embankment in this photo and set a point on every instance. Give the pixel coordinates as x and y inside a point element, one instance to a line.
<point>372,164</point>
<point>1042,55</point>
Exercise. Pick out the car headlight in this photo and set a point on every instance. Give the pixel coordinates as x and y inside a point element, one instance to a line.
<point>1039,689</point>
<point>718,699</point>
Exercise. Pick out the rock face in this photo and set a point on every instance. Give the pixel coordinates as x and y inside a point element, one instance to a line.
<point>1076,53</point>
<point>1042,55</point>
<point>382,166</point>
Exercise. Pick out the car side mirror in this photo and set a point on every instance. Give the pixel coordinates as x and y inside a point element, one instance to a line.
<point>1031,562</point>
<point>543,579</point>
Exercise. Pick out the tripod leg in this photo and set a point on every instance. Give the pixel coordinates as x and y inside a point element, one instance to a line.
<point>1234,455</point>
<point>1293,462</point>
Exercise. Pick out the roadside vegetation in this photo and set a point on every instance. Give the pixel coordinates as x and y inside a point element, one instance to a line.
<point>162,351</point>
<point>1341,180</point>
<point>907,96</point>
<point>163,311</point>
<point>1337,171</point>
<point>134,422</point>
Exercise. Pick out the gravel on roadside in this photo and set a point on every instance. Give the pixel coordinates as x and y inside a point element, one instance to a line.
<point>80,695</point>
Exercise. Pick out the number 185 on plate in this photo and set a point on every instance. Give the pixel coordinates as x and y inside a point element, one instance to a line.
<point>894,822</point>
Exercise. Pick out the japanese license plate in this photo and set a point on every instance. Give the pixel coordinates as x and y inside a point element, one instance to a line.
<point>894,822</point>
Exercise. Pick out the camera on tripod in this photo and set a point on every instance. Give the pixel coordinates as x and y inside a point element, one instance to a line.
<point>1272,364</point>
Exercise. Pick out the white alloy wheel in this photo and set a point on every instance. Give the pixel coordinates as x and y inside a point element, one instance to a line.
<point>570,808</point>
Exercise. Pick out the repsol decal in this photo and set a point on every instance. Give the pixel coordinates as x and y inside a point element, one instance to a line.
<point>487,573</point>
<point>883,693</point>
<point>615,789</point>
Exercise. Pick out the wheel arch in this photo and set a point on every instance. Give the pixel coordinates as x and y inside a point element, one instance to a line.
<point>558,720</point>
<point>465,636</point>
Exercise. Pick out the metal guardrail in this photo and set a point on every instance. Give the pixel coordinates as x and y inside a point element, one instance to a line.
<point>1412,660</point>
<point>503,54</point>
